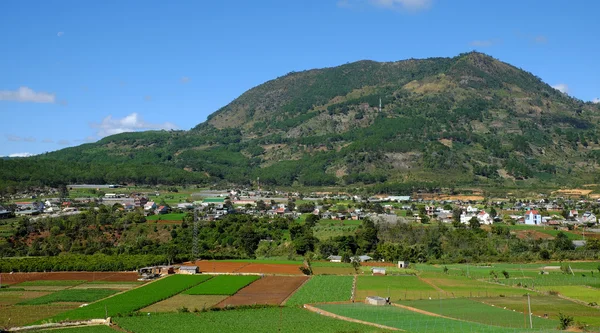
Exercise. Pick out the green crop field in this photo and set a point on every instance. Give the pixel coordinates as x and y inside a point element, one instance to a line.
<point>222,285</point>
<point>551,306</point>
<point>285,319</point>
<point>396,287</point>
<point>134,299</point>
<point>461,286</point>
<point>323,288</point>
<point>471,310</point>
<point>166,217</point>
<point>51,283</point>
<point>71,295</point>
<point>581,293</point>
<point>414,322</point>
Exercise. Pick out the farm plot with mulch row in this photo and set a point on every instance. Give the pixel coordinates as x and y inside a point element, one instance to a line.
<point>268,290</point>
<point>223,285</point>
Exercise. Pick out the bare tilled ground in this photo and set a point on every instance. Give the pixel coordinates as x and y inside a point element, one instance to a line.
<point>271,290</point>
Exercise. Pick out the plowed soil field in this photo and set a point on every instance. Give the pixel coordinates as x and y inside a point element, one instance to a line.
<point>87,276</point>
<point>207,266</point>
<point>271,269</point>
<point>268,290</point>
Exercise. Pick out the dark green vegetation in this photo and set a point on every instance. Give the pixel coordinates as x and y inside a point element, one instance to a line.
<point>134,299</point>
<point>117,242</point>
<point>251,320</point>
<point>83,329</point>
<point>323,288</point>
<point>222,285</point>
<point>71,295</point>
<point>476,119</point>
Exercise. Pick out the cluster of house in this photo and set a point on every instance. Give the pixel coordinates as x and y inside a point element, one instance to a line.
<point>152,272</point>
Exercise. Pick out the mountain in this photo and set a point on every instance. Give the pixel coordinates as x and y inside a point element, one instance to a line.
<point>470,119</point>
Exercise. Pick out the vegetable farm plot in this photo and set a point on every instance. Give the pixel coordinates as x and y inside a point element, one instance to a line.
<point>551,306</point>
<point>13,316</point>
<point>462,286</point>
<point>134,299</point>
<point>71,295</point>
<point>413,321</point>
<point>396,287</point>
<point>323,288</point>
<point>191,302</point>
<point>268,290</point>
<point>222,285</point>
<point>471,310</point>
<point>266,320</point>
<point>51,283</point>
<point>10,297</point>
<point>332,270</point>
<point>580,293</point>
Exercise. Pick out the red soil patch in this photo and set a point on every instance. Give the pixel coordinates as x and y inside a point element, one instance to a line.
<point>87,276</point>
<point>271,269</point>
<point>533,234</point>
<point>208,266</point>
<point>268,290</point>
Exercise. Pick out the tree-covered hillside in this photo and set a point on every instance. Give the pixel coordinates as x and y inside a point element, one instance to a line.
<point>443,122</point>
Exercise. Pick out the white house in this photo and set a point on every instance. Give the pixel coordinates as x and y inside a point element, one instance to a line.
<point>484,218</point>
<point>472,209</point>
<point>466,217</point>
<point>589,217</point>
<point>150,205</point>
<point>533,217</point>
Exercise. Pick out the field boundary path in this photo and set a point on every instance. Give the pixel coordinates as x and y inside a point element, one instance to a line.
<point>431,284</point>
<point>352,320</point>
<point>83,323</point>
<point>427,313</point>
<point>354,280</point>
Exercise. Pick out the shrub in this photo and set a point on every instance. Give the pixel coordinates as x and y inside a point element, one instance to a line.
<point>564,321</point>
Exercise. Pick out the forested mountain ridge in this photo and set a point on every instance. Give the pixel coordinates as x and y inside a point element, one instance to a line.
<point>443,122</point>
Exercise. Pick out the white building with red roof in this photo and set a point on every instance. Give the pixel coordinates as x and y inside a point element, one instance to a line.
<point>533,217</point>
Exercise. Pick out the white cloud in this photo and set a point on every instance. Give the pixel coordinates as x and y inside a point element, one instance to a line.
<point>21,155</point>
<point>64,142</point>
<point>16,138</point>
<point>25,94</point>
<point>563,88</point>
<point>596,100</point>
<point>131,123</point>
<point>411,5</point>
<point>60,33</point>
<point>47,141</point>
<point>185,79</point>
<point>400,5</point>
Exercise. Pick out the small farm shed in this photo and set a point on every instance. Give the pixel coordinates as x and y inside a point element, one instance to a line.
<point>189,270</point>
<point>375,300</point>
<point>335,258</point>
<point>378,270</point>
<point>403,264</point>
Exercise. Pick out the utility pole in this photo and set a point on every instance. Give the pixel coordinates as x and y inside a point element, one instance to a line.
<point>379,104</point>
<point>529,305</point>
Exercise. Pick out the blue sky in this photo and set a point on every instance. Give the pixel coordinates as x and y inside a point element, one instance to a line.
<point>76,71</point>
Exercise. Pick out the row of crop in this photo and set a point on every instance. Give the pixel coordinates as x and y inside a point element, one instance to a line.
<point>323,288</point>
<point>134,299</point>
<point>222,285</point>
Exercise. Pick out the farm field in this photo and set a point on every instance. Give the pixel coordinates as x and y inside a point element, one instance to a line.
<point>10,297</point>
<point>396,287</point>
<point>323,288</point>
<point>550,305</point>
<point>412,321</point>
<point>332,270</point>
<point>222,285</point>
<point>14,316</point>
<point>275,319</point>
<point>580,293</point>
<point>51,283</point>
<point>271,290</point>
<point>16,278</point>
<point>214,266</point>
<point>71,295</point>
<point>462,286</point>
<point>135,299</point>
<point>471,310</point>
<point>270,269</point>
<point>191,302</point>
<point>105,285</point>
